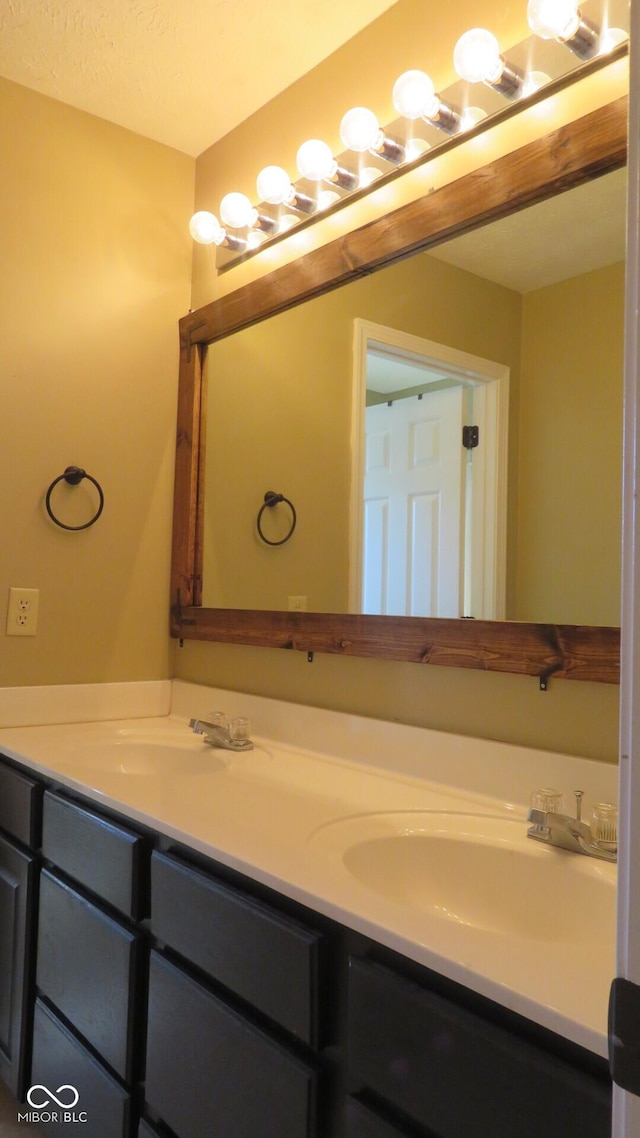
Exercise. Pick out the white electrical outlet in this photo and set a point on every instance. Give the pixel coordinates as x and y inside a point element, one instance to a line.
<point>297,604</point>
<point>22,612</point>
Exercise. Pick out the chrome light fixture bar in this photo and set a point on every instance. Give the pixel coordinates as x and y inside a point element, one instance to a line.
<point>568,40</point>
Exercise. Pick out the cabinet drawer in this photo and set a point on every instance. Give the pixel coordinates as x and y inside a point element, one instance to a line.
<point>20,805</point>
<point>59,1060</point>
<point>457,1073</point>
<point>86,966</point>
<point>102,855</point>
<point>267,959</point>
<point>211,1072</point>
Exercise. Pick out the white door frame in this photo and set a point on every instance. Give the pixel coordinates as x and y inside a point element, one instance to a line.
<point>626,1107</point>
<point>491,382</point>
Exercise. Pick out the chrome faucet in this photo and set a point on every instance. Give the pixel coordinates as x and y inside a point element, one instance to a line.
<point>573,834</point>
<point>220,735</point>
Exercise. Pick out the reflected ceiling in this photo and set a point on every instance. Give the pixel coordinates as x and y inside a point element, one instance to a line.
<point>509,252</point>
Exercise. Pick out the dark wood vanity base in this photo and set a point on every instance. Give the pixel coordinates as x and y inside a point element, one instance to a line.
<point>180,999</point>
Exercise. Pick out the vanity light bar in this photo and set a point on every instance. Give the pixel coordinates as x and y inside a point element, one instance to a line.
<point>492,85</point>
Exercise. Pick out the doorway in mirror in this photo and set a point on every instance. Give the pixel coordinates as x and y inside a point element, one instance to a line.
<point>428,516</point>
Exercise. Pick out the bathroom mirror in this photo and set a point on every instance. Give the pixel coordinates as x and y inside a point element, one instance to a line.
<point>354,404</point>
<point>563,647</point>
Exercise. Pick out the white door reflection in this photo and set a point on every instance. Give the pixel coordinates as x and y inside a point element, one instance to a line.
<point>413,556</point>
<point>429,518</point>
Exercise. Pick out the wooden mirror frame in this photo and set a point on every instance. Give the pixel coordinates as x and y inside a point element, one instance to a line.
<point>577,152</point>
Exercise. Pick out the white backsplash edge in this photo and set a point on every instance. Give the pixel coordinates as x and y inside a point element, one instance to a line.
<point>83,703</point>
<point>481,766</point>
<point>501,771</point>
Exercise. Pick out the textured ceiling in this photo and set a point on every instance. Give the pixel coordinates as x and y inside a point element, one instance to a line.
<point>572,233</point>
<point>182,73</point>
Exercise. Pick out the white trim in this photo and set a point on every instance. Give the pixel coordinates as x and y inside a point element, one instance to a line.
<point>491,383</point>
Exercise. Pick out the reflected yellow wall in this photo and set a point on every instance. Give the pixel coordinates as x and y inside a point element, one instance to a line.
<point>279,414</point>
<point>570,493</point>
<point>579,718</point>
<point>95,272</point>
<point>280,418</point>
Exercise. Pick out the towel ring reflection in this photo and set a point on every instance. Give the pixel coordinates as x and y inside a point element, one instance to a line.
<point>272,499</point>
<point>73,475</point>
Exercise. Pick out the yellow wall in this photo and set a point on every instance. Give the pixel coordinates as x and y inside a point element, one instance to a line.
<point>570,466</point>
<point>95,272</point>
<point>573,717</point>
<point>279,417</point>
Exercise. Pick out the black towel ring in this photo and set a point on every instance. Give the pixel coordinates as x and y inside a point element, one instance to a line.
<point>74,475</point>
<point>271,499</point>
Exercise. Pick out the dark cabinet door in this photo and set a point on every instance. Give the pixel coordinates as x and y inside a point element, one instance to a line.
<point>20,805</point>
<point>457,1073</point>
<point>88,967</point>
<point>17,871</point>
<point>211,1072</point>
<point>70,1084</point>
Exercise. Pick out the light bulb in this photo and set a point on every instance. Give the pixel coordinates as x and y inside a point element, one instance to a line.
<point>236,210</point>
<point>360,130</point>
<point>476,57</point>
<point>553,19</point>
<point>414,95</point>
<point>327,198</point>
<point>255,239</point>
<point>611,39</point>
<point>471,116</point>
<point>273,185</point>
<point>315,160</point>
<point>369,175</point>
<point>416,147</point>
<point>534,81</point>
<point>205,228</point>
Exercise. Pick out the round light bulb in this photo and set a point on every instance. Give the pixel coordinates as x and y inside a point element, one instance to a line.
<point>236,210</point>
<point>369,175</point>
<point>476,57</point>
<point>205,228</point>
<point>416,147</point>
<point>273,185</point>
<point>471,116</point>
<point>327,198</point>
<point>315,160</point>
<point>553,19</point>
<point>611,39</point>
<point>414,95</point>
<point>360,130</point>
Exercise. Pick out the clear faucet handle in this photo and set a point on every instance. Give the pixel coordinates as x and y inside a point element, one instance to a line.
<point>604,825</point>
<point>219,719</point>
<point>240,729</point>
<point>548,799</point>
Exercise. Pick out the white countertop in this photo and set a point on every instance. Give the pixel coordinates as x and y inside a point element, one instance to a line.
<point>271,813</point>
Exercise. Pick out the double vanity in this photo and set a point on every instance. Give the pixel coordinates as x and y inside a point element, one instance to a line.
<point>343,932</point>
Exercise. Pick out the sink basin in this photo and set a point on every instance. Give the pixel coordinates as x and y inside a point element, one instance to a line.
<point>474,870</point>
<point>138,754</point>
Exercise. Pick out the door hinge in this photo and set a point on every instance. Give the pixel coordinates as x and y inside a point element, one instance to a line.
<point>624,1034</point>
<point>470,437</point>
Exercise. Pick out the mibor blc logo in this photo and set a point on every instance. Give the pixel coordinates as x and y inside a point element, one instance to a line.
<point>52,1106</point>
